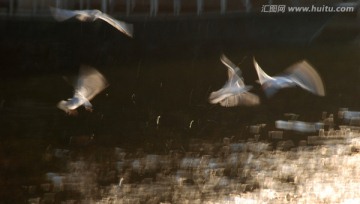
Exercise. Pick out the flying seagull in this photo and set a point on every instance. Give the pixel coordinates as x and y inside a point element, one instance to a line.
<point>300,74</point>
<point>92,15</point>
<point>234,92</point>
<point>90,82</point>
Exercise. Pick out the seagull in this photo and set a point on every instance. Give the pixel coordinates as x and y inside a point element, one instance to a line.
<point>92,15</point>
<point>300,74</point>
<point>89,83</point>
<point>234,92</point>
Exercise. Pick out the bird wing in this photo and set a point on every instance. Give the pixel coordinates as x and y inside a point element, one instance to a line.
<point>232,68</point>
<point>64,14</point>
<point>245,99</point>
<point>305,76</point>
<point>222,94</point>
<point>234,73</point>
<point>240,83</point>
<point>90,82</point>
<point>217,96</point>
<point>123,27</point>
<point>234,85</point>
<point>83,15</point>
<point>238,88</point>
<point>263,77</point>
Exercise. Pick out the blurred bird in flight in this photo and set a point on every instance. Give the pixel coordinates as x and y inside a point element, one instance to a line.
<point>234,92</point>
<point>300,74</point>
<point>90,82</point>
<point>92,15</point>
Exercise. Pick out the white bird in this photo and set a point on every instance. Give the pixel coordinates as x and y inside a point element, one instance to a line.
<point>92,15</point>
<point>89,83</point>
<point>300,74</point>
<point>234,92</point>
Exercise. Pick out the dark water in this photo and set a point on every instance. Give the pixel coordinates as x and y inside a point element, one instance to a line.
<point>147,80</point>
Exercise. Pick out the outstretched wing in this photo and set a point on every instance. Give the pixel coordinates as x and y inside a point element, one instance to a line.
<point>63,14</point>
<point>90,82</point>
<point>234,73</point>
<point>222,94</point>
<point>232,68</point>
<point>244,99</point>
<point>123,27</point>
<point>217,96</point>
<point>263,77</point>
<point>305,76</point>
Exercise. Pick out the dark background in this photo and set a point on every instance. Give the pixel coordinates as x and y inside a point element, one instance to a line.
<point>168,69</point>
<point>172,66</point>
